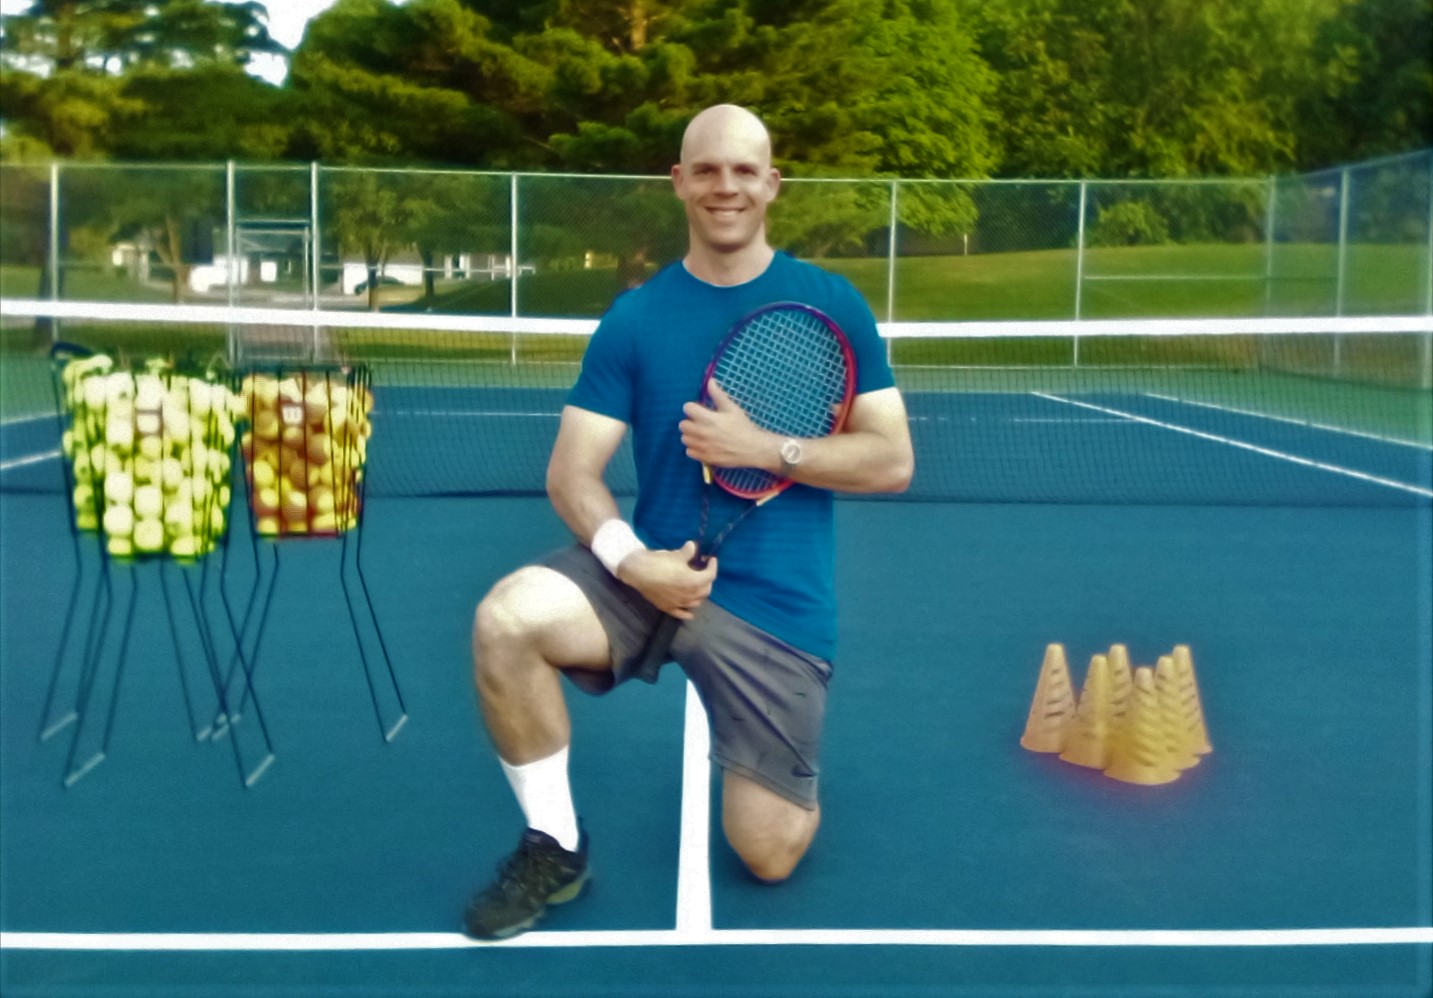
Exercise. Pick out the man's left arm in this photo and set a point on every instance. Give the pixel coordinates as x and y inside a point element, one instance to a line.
<point>871,454</point>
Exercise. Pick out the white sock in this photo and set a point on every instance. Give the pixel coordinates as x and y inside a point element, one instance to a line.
<point>545,797</point>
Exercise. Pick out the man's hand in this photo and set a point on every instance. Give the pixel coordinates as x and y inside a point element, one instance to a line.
<point>668,580</point>
<point>725,437</point>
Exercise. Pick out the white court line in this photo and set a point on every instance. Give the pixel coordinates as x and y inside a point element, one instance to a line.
<point>1346,431</point>
<point>694,887</point>
<point>20,462</point>
<point>262,942</point>
<point>1243,445</point>
<point>34,417</point>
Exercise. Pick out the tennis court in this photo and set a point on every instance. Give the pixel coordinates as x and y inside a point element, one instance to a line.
<point>1235,494</point>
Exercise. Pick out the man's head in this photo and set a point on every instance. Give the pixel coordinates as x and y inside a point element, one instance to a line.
<point>726,180</point>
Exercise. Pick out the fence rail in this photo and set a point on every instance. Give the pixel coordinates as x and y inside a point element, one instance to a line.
<point>1355,240</point>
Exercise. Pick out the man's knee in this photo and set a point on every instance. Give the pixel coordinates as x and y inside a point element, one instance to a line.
<point>505,615</point>
<point>768,832</point>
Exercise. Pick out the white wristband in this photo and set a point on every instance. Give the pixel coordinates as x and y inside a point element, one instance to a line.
<point>613,541</point>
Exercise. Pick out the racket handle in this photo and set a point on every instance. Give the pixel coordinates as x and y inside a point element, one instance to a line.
<point>659,647</point>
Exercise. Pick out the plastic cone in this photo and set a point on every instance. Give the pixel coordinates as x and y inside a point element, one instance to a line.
<point>1140,755</point>
<point>1189,696</point>
<point>1053,707</point>
<point>1088,741</point>
<point>1173,716</point>
<point>1120,684</point>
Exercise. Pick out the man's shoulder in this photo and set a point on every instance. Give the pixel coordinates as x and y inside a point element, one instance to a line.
<point>816,285</point>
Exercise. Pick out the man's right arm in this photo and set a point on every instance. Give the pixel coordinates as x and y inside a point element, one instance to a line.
<point>586,442</point>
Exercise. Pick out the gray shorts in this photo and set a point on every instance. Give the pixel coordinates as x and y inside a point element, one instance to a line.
<point>765,700</point>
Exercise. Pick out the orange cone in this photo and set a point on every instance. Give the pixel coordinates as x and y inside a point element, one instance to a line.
<point>1053,707</point>
<point>1140,755</point>
<point>1189,697</point>
<point>1120,684</point>
<point>1173,717</point>
<point>1088,742</point>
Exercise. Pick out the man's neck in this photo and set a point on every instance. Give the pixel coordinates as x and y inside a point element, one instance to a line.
<point>729,269</point>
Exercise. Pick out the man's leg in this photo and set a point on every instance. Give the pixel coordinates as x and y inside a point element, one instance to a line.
<point>530,624</point>
<point>768,832</point>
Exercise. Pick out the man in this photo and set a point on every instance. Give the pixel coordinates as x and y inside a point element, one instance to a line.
<point>758,649</point>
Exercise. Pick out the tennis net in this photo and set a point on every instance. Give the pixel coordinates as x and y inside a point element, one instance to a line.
<point>1334,411</point>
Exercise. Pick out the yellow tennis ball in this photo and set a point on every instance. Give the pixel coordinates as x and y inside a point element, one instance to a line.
<point>267,526</point>
<point>295,505</point>
<point>321,500</point>
<point>320,448</point>
<point>266,502</point>
<point>266,424</point>
<point>184,546</point>
<point>316,401</point>
<point>119,488</point>
<point>263,474</point>
<point>120,547</point>
<point>148,501</point>
<point>119,521</point>
<point>179,519</point>
<point>324,523</point>
<point>148,535</point>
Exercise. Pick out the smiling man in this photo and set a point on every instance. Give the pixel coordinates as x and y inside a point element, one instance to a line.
<point>758,630</point>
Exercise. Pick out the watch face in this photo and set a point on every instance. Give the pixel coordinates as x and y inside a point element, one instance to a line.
<point>791,452</point>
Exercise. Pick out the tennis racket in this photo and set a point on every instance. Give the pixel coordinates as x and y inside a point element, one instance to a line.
<point>791,370</point>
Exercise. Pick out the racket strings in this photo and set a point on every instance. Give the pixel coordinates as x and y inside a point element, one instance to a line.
<point>789,374</point>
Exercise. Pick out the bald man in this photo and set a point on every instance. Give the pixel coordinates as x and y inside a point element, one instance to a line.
<point>758,626</point>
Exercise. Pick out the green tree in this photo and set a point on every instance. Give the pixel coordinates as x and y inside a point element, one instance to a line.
<point>1371,91</point>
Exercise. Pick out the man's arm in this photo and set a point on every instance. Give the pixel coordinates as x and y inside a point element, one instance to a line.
<point>872,454</point>
<point>585,444</point>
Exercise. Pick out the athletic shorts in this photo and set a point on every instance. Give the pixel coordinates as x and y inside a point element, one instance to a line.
<point>765,700</point>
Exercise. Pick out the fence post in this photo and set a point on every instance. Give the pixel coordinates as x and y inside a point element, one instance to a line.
<point>891,261</point>
<point>1341,277</point>
<point>1269,223</point>
<point>54,235</point>
<point>231,246</point>
<point>1080,264</point>
<point>513,243</point>
<point>317,250</point>
<point>1427,349</point>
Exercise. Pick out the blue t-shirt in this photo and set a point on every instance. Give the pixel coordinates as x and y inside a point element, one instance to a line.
<point>646,359</point>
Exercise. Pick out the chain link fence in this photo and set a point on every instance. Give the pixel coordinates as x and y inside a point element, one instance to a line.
<point>1355,240</point>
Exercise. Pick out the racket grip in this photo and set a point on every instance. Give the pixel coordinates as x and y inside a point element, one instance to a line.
<point>659,646</point>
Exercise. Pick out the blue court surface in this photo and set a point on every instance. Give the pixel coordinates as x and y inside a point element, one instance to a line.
<point>1296,859</point>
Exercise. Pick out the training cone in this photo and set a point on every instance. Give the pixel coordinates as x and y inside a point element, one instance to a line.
<point>1121,684</point>
<point>1140,754</point>
<point>1088,741</point>
<point>1173,715</point>
<point>1193,707</point>
<point>1053,708</point>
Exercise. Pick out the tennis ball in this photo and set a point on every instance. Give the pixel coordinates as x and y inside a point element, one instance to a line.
<point>266,391</point>
<point>320,448</point>
<point>118,386</point>
<point>263,474</point>
<point>320,500</point>
<point>184,546</point>
<point>119,521</point>
<point>119,432</point>
<point>290,392</point>
<point>266,424</point>
<point>324,523</point>
<point>120,547</point>
<point>292,437</point>
<point>119,488</point>
<point>94,392</point>
<point>179,519</point>
<point>171,473</point>
<point>320,474</point>
<point>316,400</point>
<point>266,503</point>
<point>178,425</point>
<point>148,535</point>
<point>148,392</point>
<point>151,447</point>
<point>148,501</point>
<point>216,521</point>
<point>295,505</point>
<point>267,526</point>
<point>297,474</point>
<point>145,471</point>
<point>85,518</point>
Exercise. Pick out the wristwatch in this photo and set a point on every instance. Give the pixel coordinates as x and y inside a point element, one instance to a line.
<point>790,456</point>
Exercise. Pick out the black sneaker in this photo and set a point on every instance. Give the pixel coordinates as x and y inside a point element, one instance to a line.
<point>538,874</point>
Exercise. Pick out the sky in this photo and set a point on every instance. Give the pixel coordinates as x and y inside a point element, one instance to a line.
<point>287,19</point>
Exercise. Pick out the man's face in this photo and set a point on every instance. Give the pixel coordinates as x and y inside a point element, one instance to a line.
<point>726,181</point>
